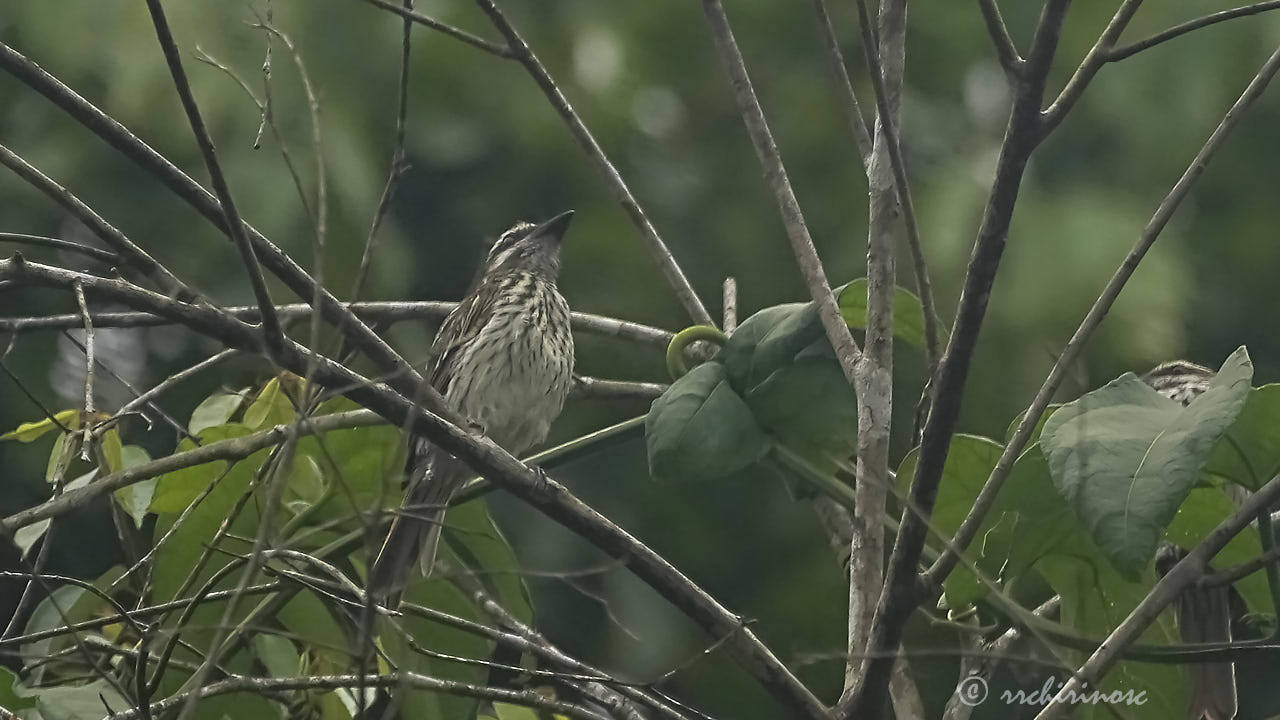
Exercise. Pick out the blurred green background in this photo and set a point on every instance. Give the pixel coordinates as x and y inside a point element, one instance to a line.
<point>486,150</point>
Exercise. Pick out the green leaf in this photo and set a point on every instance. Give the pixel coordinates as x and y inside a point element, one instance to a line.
<point>474,541</point>
<point>60,457</point>
<point>767,341</point>
<point>811,408</point>
<point>174,491</point>
<point>272,407</point>
<point>13,696</point>
<point>306,480</point>
<point>135,498</point>
<point>26,432</point>
<point>908,313</point>
<point>79,702</point>
<point>701,429</point>
<point>1126,457</point>
<point>1249,455</point>
<point>111,450</point>
<point>277,654</point>
<point>216,409</point>
<point>507,711</point>
<point>26,537</point>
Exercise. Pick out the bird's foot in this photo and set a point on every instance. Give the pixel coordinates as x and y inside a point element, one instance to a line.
<point>540,479</point>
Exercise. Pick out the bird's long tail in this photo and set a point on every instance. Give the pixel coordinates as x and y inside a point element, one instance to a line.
<point>414,536</point>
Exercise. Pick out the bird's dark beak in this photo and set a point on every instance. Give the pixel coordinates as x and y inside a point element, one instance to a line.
<point>556,226</point>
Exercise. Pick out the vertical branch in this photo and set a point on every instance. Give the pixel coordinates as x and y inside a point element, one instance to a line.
<point>903,590</point>
<point>874,380</point>
<point>730,305</point>
<point>847,351</point>
<point>88,370</point>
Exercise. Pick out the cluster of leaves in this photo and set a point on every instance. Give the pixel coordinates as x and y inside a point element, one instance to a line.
<point>198,525</point>
<point>1104,481</point>
<point>775,387</point>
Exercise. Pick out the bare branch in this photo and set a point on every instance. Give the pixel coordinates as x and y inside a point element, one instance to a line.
<point>657,248</point>
<point>57,244</point>
<point>172,380</point>
<point>272,331</point>
<point>584,386</point>
<point>730,305</point>
<point>1121,53</point>
<point>453,32</point>
<point>78,289</point>
<point>844,86</point>
<point>969,528</point>
<point>903,591</point>
<point>815,276</point>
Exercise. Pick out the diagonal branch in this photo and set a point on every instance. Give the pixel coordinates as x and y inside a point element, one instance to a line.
<point>270,323</point>
<point>1121,53</point>
<point>844,86</point>
<point>847,351</point>
<point>521,52</point>
<point>474,41</point>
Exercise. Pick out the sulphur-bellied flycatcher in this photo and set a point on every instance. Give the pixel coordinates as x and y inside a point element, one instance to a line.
<point>1203,614</point>
<point>504,360</point>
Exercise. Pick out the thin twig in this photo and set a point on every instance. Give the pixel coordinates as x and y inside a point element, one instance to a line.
<point>87,443</point>
<point>844,86</point>
<point>1006,52</point>
<point>65,245</point>
<point>1121,53</point>
<point>453,32</point>
<point>274,334</point>
<point>657,247</point>
<point>730,305</point>
<point>146,397</point>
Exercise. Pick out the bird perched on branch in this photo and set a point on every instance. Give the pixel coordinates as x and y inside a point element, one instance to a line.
<point>504,360</point>
<point>1203,614</point>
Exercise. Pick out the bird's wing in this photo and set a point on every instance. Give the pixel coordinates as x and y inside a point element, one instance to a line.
<point>459,328</point>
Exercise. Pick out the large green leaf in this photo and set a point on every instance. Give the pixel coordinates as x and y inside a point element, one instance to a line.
<point>13,696</point>
<point>701,429</point>
<point>767,341</point>
<point>908,313</point>
<point>272,407</point>
<point>174,491</point>
<point>474,542</point>
<point>810,407</point>
<point>214,410</point>
<point>1126,457</point>
<point>1249,455</point>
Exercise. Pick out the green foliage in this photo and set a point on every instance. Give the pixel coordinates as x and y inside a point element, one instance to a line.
<point>1124,457</point>
<point>700,428</point>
